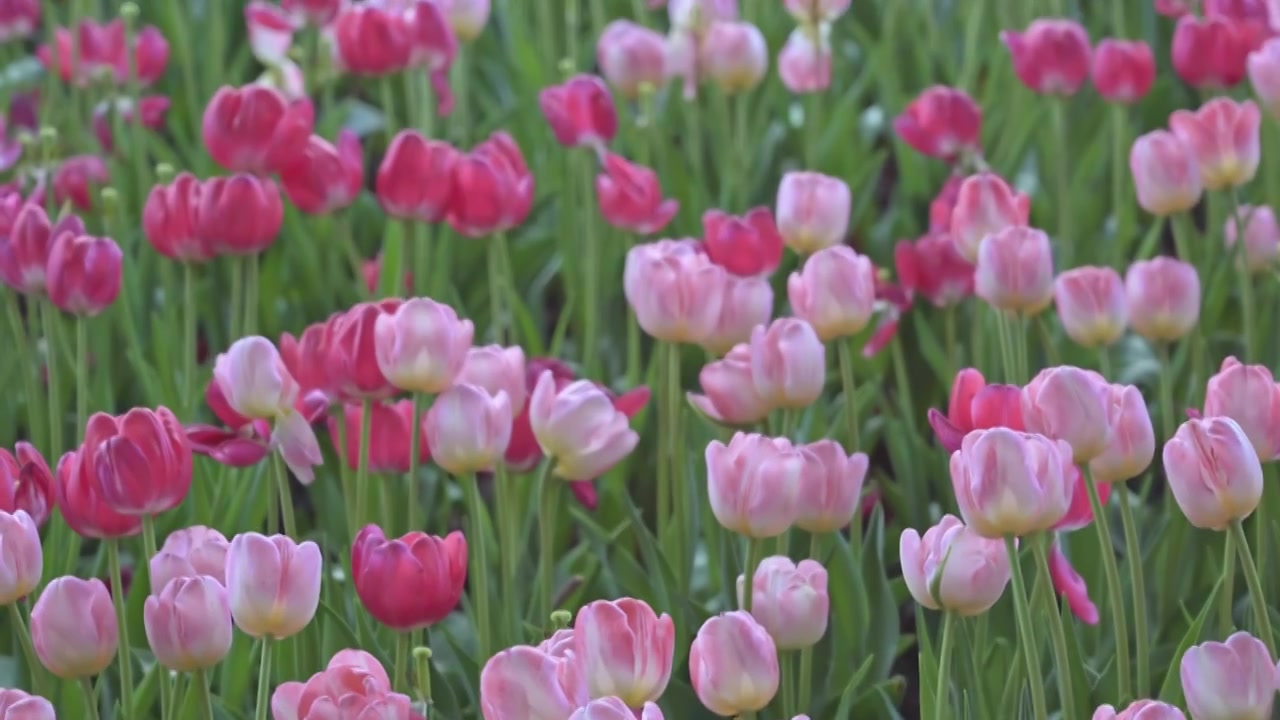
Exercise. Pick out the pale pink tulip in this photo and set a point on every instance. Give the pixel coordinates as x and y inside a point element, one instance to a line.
<point>804,62</point>
<point>1164,298</point>
<point>969,571</point>
<point>270,31</point>
<point>579,427</point>
<point>468,429</point>
<point>1165,173</point>
<point>1264,74</point>
<point>525,683</point>
<point>626,648</point>
<point>733,664</point>
<point>835,292</point>
<point>1011,483</point>
<point>188,624</point>
<point>353,685</point>
<point>422,345</point>
<point>729,396</point>
<point>1213,472</point>
<point>1067,403</point>
<point>612,708</point>
<point>73,628</point>
<point>812,211</point>
<point>1133,443</point>
<point>1223,134</point>
<point>734,55</point>
<point>1249,395</point>
<point>18,705</point>
<point>1261,237</point>
<point>1140,710</point>
<point>21,559</point>
<point>273,584</point>
<point>190,552</point>
<point>754,483</point>
<point>984,206</point>
<point>467,18</point>
<point>632,56</point>
<point>674,289</point>
<point>744,303</point>
<point>790,601</point>
<point>1091,305</point>
<point>829,499</point>
<point>816,11</point>
<point>497,369</point>
<point>788,363</point>
<point>254,380</point>
<point>1015,270</point>
<point>1232,680</point>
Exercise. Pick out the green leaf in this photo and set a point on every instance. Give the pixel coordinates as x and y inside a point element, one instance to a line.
<point>1171,689</point>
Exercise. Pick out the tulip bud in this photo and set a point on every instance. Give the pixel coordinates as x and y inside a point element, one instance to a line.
<point>747,246</point>
<point>169,219</point>
<point>829,499</point>
<point>21,559</point>
<point>626,648</point>
<point>790,601</point>
<point>1133,444</point>
<point>984,206</point>
<point>735,55</point>
<point>733,664</point>
<point>78,179</point>
<point>1232,680</point>
<point>1052,57</point>
<point>580,112</point>
<point>325,177</point>
<point>1213,472</point>
<point>283,607</point>
<point>812,211</point>
<point>493,188</point>
<point>84,273</point>
<point>816,11</point>
<point>1164,298</point>
<point>469,429</point>
<point>631,56</point>
<point>942,122</point>
<point>1140,710</point>
<point>788,363</point>
<point>254,381</point>
<point>466,17</point>
<point>804,63</point>
<point>745,303</point>
<point>142,460</point>
<point>729,397</point>
<point>835,292</point>
<point>675,291</point>
<point>26,483</point>
<point>1015,270</point>
<point>579,427</point>
<point>19,20</point>
<point>968,571</point>
<point>1123,70</point>
<point>25,249</point>
<point>421,345</point>
<point>1011,483</point>
<point>1091,305</point>
<point>1261,237</point>
<point>188,624</point>
<point>1264,74</point>
<point>73,628</point>
<point>372,41</point>
<point>934,268</point>
<point>1067,403</point>
<point>1210,52</point>
<point>239,215</point>
<point>496,369</point>
<point>255,129</point>
<point>18,705</point>
<point>1224,137</point>
<point>190,552</point>
<point>1249,395</point>
<point>270,31</point>
<point>415,178</point>
<point>410,582</point>
<point>526,683</point>
<point>631,199</point>
<point>1166,174</point>
<point>755,482</point>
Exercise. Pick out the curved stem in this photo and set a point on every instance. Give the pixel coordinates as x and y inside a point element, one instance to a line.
<point>1113,587</point>
<point>548,504</point>
<point>1137,581</point>
<point>1257,601</point>
<point>286,499</point>
<point>362,470</point>
<point>35,669</point>
<point>122,650</point>
<point>415,433</point>
<point>264,681</point>
<point>479,542</point>
<point>1026,635</point>
<point>944,667</point>
<point>1061,657</point>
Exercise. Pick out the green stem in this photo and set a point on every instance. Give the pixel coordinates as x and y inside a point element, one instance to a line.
<point>189,310</point>
<point>844,348</point>
<point>400,670</point>
<point>479,542</point>
<point>1100,522</point>
<point>635,365</point>
<point>264,680</point>
<point>55,387</point>
<point>90,698</point>
<point>592,271</point>
<point>940,703</point>
<point>123,647</point>
<point>1226,601</point>
<point>548,504</point>
<point>1061,657</point>
<point>82,373</point>
<point>1137,581</point>
<point>251,295</point>
<point>1168,424</point>
<point>1007,358</point>
<point>362,469</point>
<point>1026,634</point>
<point>286,499</point>
<point>206,698</point>
<point>755,553</point>
<point>683,515</point>
<point>508,544</point>
<point>1247,309</point>
<point>1261,616</point>
<point>498,288</point>
<point>237,299</point>
<point>1062,180</point>
<point>167,699</point>
<point>415,433</point>
<point>1121,207</point>
<point>35,669</point>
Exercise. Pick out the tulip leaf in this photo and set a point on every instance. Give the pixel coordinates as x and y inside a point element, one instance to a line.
<point>929,662</point>
<point>348,636</point>
<point>851,688</point>
<point>1171,689</point>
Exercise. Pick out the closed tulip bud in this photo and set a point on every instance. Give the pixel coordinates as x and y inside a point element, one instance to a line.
<point>1011,483</point>
<point>239,215</point>
<point>733,664</point>
<point>469,429</point>
<point>746,246</point>
<point>788,363</point>
<point>1091,305</point>
<point>1015,270</point>
<point>1210,52</point>
<point>84,273</point>
<point>73,628</point>
<point>812,211</point>
<point>1051,57</point>
<point>612,708</point>
<point>1140,710</point>
<point>21,560</point>
<point>169,219</point>
<point>755,482</point>
<point>1165,172</point>
<point>1264,74</point>
<point>493,188</point>
<point>1133,444</point>
<point>25,248</point>
<point>1070,404</point>
<point>421,345</point>
<point>190,552</point>
<point>835,292</point>
<point>415,179</point>
<point>527,683</point>
<point>254,381</point>
<point>1224,137</point>
<point>284,606</point>
<point>372,41</point>
<point>735,55</point>
<point>1261,237</point>
<point>729,397</point>
<point>1123,70</point>
<point>745,304</point>
<point>579,427</point>
<point>1164,298</point>
<point>497,369</point>
<point>142,460</point>
<point>1232,680</point>
<point>255,129</point>
<point>790,601</point>
<point>630,197</point>
<point>829,499</point>
<point>626,648</point>
<point>188,624</point>
<point>410,582</point>
<point>325,177</point>
<point>942,122</point>
<point>968,571</point>
<point>1213,471</point>
<point>984,206</point>
<point>675,291</point>
<point>804,63</point>
<point>270,31</point>
<point>1249,395</point>
<point>632,56</point>
<point>580,112</point>
<point>17,705</point>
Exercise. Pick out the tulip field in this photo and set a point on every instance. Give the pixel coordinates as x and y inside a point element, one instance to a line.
<point>639,359</point>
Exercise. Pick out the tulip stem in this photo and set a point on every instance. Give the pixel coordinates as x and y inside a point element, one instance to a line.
<point>1260,613</point>
<point>206,698</point>
<point>415,432</point>
<point>122,649</point>
<point>786,669</point>
<point>507,527</point>
<point>250,296</point>
<point>400,672</point>
<point>1113,586</point>
<point>264,680</point>
<point>1026,635</point>
<point>28,650</point>
<point>1226,602</point>
<point>188,337</point>
<point>286,499</point>
<point>55,388</point>
<point>548,499</point>
<point>1133,549</point>
<point>149,550</point>
<point>1247,310</point>
<point>592,270</point>
<point>1058,113</point>
<point>755,553</point>
<point>362,470</point>
<point>676,491</point>
<point>82,372</point>
<point>944,668</point>
<point>479,563</point>
<point>90,698</point>
<point>497,285</point>
<point>844,348</point>
<point>1120,180</point>
<point>1061,657</point>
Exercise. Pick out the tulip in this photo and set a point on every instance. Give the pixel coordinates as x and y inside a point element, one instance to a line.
<point>254,381</point>
<point>21,560</point>
<point>496,369</point>
<point>1132,445</point>
<point>630,198</point>
<point>626,648</point>
<point>985,206</point>
<point>324,177</point>
<point>1213,472</point>
<point>733,664</point>
<point>73,628</point>
<point>25,249</point>
<point>1140,710</point>
<point>1052,57</point>
<point>188,624</point>
<point>190,552</point>
<point>525,683</point>
<point>408,583</point>
<point>580,112</point>
<point>467,18</point>
<point>579,427</point>
<point>816,11</point>
<point>812,211</point>
<point>1165,173</point>
<point>354,353</point>
<point>371,40</point>
<point>1009,483</point>
<point>735,55</point>
<point>1249,395</point>
<point>729,396</point>
<point>1264,74</point>
<point>612,708</point>
<point>422,345</point>
<point>493,189</point>
<point>968,570</point>
<point>788,363</point>
<point>746,246</point>
<point>273,584</point>
<point>353,681</point>
<point>1091,305</point>
<point>415,179</point>
<point>270,31</point>
<point>790,601</point>
<point>80,499</point>
<point>1123,70</point>
<point>142,460</point>
<point>26,483</point>
<point>828,499</point>
<point>433,48</point>
<point>1070,404</point>
<point>18,705</point>
<point>1068,583</point>
<point>78,179</point>
<point>1224,137</point>
<point>104,54</point>
<point>254,129</point>
<point>754,483</point>
<point>942,122</point>
<point>1232,680</point>
<point>745,303</point>
<point>469,428</point>
<point>834,292</point>
<point>169,220</point>
<point>1015,270</point>
<point>18,20</point>
<point>1210,52</point>
<point>632,56</point>
<point>84,273</point>
<point>286,79</point>
<point>1261,237</point>
<point>1164,298</point>
<point>149,111</point>
<point>389,425</point>
<point>239,215</point>
<point>675,291</point>
<point>934,267</point>
<point>804,63</point>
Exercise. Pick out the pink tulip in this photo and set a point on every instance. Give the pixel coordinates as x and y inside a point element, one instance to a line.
<point>496,369</point>
<point>1213,472</point>
<point>579,427</point>
<point>84,273</point>
<point>790,601</point>
<point>1133,444</point>
<point>1164,298</point>
<point>816,11</point>
<point>1070,585</point>
<point>1051,57</point>
<point>626,648</point>
<point>468,428</point>
<point>632,56</point>
<point>190,552</point>
<point>1015,270</point>
<point>26,482</point>
<point>1264,73</point>
<point>1140,710</point>
<point>18,705</point>
<point>788,363</point>
<point>1224,137</point>
<point>466,17</point>
<point>141,460</point>
<point>829,499</point>
<point>1165,173</point>
<point>270,31</point>
<point>73,628</point>
<point>630,197</point>
<point>1232,680</point>
<point>1249,395</point>
<point>1123,70</point>
<point>754,483</point>
<point>21,560</point>
<point>729,396</point>
<point>525,683</point>
<point>580,112</point>
<point>733,664</point>
<point>984,206</point>
<point>812,211</point>
<point>1067,403</point>
<point>273,584</point>
<point>734,55</point>
<point>1261,237</point>
<point>421,345</point>
<point>804,62</point>
<point>745,303</point>
<point>353,685</point>
<point>254,380</point>
<point>612,708</point>
<point>835,292</point>
<point>1011,483</point>
<point>1091,305</point>
<point>1210,52</point>
<point>675,290</point>
<point>188,624</point>
<point>942,122</point>
<point>969,571</point>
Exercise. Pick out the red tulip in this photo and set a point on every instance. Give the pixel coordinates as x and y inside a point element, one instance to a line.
<point>942,122</point>
<point>747,246</point>
<point>390,425</point>
<point>141,460</point>
<point>80,499</point>
<point>102,53</point>
<point>25,248</point>
<point>255,129</point>
<point>580,111</point>
<point>975,405</point>
<point>433,46</point>
<point>1051,57</point>
<point>324,178</point>
<point>150,111</point>
<point>492,188</point>
<point>1123,70</point>
<point>26,483</point>
<point>933,267</point>
<point>352,359</point>
<point>239,215</point>
<point>372,41</point>
<point>630,197</point>
<point>18,19</point>
<point>408,583</point>
<point>307,356</point>
<point>1211,52</point>
<point>77,180</point>
<point>84,273</point>
<point>415,179</point>
<point>169,219</point>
